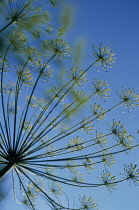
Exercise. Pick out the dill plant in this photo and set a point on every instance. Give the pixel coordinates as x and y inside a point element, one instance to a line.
<point>39,146</point>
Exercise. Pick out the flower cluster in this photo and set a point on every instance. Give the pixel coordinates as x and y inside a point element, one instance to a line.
<point>129,98</point>
<point>107,159</point>
<point>117,129</point>
<point>76,176</point>
<point>25,76</point>
<point>77,76</point>
<point>87,203</point>
<point>32,56</point>
<point>108,180</point>
<point>57,94</point>
<point>104,55</point>
<point>57,47</point>
<point>101,88</point>
<point>56,188</point>
<point>80,97</point>
<point>24,15</point>
<point>44,71</point>
<point>36,102</point>
<point>131,173</point>
<point>9,88</point>
<point>120,134</point>
<point>76,144</point>
<point>69,110</point>
<point>16,39</point>
<point>98,111</point>
<point>101,140</point>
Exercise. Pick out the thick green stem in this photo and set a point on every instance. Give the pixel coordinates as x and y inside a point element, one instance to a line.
<point>5,169</point>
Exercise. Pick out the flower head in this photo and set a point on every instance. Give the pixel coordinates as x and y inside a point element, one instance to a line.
<point>80,97</point>
<point>76,144</point>
<point>87,203</point>
<point>101,140</point>
<point>101,88</point>
<point>108,180</point>
<point>9,88</point>
<point>131,173</point>
<point>104,55</point>
<point>32,55</point>
<point>24,15</point>
<point>25,76</point>
<point>121,135</point>
<point>55,188</point>
<point>107,159</point>
<point>16,39</point>
<point>57,47</point>
<point>117,129</point>
<point>98,111</point>
<point>77,76</point>
<point>129,98</point>
<point>77,177</point>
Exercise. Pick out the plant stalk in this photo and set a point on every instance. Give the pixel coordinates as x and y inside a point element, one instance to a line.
<point>5,169</point>
<point>6,26</point>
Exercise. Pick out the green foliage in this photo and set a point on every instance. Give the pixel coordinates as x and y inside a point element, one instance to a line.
<point>49,142</point>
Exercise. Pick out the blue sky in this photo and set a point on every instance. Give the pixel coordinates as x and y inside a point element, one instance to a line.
<point>114,23</point>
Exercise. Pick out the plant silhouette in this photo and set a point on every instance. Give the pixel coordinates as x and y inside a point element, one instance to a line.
<point>46,143</point>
